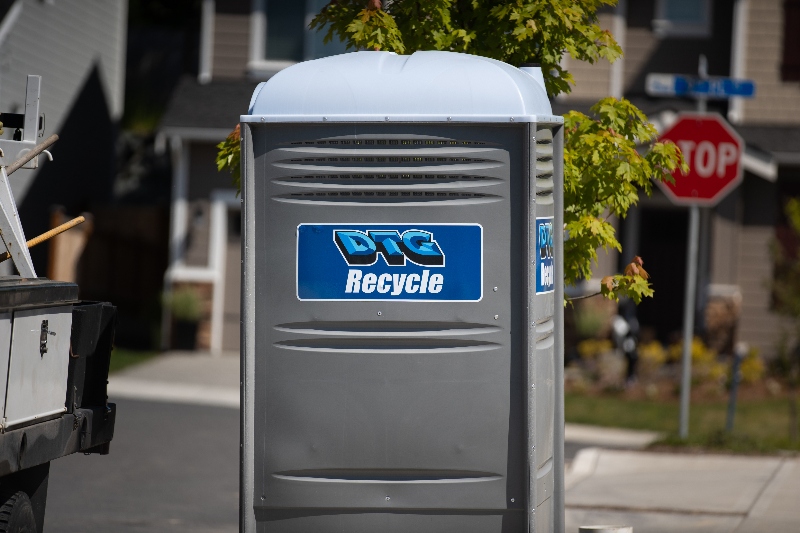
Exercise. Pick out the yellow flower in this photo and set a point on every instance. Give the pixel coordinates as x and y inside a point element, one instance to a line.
<point>591,348</point>
<point>752,369</point>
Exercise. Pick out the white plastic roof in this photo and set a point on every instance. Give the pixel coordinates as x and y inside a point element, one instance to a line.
<point>383,86</point>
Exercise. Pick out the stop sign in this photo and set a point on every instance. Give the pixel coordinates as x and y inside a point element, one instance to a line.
<point>713,151</point>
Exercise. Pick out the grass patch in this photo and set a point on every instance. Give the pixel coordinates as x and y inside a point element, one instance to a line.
<point>761,425</point>
<point>122,358</point>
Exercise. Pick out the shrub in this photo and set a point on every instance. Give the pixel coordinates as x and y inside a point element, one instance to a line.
<point>652,357</point>
<point>184,304</point>
<point>705,366</point>
<point>752,368</point>
<point>591,348</point>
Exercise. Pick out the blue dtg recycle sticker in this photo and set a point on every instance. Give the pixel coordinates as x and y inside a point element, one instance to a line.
<point>390,262</point>
<point>545,267</point>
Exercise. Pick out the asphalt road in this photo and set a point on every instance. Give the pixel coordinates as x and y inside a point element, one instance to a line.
<point>172,468</point>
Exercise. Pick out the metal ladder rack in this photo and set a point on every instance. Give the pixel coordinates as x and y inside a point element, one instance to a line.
<point>20,152</point>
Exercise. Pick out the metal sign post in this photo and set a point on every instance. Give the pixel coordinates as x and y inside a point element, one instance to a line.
<point>713,151</point>
<point>688,317</point>
<point>691,284</point>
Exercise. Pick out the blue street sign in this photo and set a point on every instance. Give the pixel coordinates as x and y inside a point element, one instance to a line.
<point>713,88</point>
<point>723,88</point>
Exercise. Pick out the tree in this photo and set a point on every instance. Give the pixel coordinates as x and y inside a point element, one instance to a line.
<point>603,169</point>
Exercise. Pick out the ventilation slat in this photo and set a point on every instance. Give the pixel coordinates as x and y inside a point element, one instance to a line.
<point>387,329</point>
<point>383,475</point>
<point>374,183</point>
<point>388,171</point>
<point>544,328</point>
<point>388,142</point>
<point>391,345</point>
<point>474,168</point>
<point>544,185</point>
<point>544,151</point>
<point>405,160</point>
<point>380,178</point>
<point>544,168</point>
<point>388,198</point>
<point>544,136</point>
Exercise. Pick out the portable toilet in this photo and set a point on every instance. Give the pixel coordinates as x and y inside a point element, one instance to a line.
<point>402,361</point>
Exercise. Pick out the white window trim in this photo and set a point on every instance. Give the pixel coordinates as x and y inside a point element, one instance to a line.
<point>665,28</point>
<point>258,65</point>
<point>741,9</point>
<point>206,42</point>
<point>221,201</point>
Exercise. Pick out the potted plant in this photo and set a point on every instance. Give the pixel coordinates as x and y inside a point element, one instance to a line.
<point>186,309</point>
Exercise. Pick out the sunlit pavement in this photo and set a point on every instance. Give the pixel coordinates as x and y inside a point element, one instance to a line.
<point>174,467</point>
<point>660,492</point>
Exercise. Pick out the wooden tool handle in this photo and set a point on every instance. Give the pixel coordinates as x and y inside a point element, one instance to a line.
<point>48,235</point>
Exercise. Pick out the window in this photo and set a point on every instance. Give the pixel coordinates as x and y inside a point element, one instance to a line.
<point>790,66</point>
<point>282,37</point>
<point>285,35</point>
<point>683,18</point>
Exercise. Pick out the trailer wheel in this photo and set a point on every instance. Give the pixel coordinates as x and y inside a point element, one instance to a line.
<point>16,515</point>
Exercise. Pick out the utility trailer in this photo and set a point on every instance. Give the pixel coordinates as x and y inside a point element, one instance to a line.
<point>54,350</point>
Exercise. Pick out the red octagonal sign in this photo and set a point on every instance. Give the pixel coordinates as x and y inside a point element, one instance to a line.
<point>713,151</point>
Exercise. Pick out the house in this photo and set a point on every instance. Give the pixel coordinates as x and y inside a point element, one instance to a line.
<point>78,48</point>
<point>246,41</point>
<point>242,43</point>
<point>749,39</point>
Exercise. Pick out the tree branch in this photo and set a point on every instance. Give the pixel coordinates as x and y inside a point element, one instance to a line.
<point>583,297</point>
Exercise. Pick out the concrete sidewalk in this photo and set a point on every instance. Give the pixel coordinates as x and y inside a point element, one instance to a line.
<point>181,377</point>
<point>609,437</point>
<point>665,493</point>
<point>653,492</point>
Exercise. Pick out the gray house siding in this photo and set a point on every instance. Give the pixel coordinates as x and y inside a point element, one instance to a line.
<point>776,101</point>
<point>743,234</point>
<point>591,80</point>
<point>64,42</point>
<point>231,39</point>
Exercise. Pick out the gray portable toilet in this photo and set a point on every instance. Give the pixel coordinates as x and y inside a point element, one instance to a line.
<point>402,361</point>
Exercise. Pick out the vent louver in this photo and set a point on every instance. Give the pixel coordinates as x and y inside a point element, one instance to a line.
<point>387,198</point>
<point>323,177</point>
<point>388,171</point>
<point>387,159</point>
<point>544,166</point>
<point>388,142</point>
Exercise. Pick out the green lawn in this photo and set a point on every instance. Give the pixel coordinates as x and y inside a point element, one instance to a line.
<point>760,426</point>
<point>122,358</point>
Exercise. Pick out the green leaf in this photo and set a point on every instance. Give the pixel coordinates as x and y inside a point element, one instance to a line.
<point>610,156</point>
<point>229,156</point>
